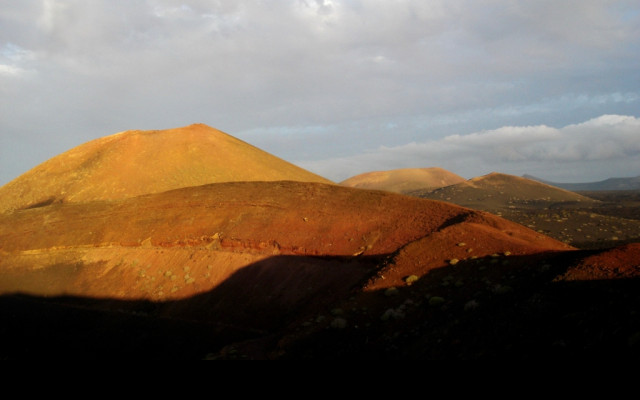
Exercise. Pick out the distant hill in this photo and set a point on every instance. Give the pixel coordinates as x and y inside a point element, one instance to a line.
<point>496,191</point>
<point>253,255</point>
<point>292,270</point>
<point>404,180</point>
<point>137,162</point>
<point>607,184</point>
<point>103,261</point>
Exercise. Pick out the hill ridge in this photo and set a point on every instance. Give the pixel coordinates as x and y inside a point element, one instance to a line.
<point>403,180</point>
<point>632,183</point>
<point>137,162</point>
<point>497,190</point>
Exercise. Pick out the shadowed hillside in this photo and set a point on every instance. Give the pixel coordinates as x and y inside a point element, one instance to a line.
<point>177,243</point>
<point>559,305</point>
<point>132,163</point>
<point>567,306</point>
<point>271,262</point>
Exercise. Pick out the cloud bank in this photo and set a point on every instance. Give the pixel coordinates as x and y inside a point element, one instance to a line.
<point>600,148</point>
<point>308,79</point>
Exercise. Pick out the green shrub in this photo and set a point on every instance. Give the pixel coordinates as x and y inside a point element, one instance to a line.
<point>392,291</point>
<point>411,279</point>
<point>436,301</point>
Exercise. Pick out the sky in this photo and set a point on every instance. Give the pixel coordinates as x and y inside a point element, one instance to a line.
<point>549,88</point>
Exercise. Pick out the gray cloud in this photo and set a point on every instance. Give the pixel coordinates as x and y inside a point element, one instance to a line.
<point>609,142</point>
<point>308,80</point>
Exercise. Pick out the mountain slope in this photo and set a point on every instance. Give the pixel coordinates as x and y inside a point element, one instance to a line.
<point>497,191</point>
<point>404,180</point>
<point>133,163</point>
<point>229,249</point>
<point>303,270</point>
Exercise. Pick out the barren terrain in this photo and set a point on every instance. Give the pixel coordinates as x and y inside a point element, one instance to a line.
<point>404,180</point>
<point>300,269</point>
<point>586,220</point>
<point>134,163</point>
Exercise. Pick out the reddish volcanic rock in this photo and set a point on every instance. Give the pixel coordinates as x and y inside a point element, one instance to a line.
<point>621,262</point>
<point>238,244</point>
<point>109,263</point>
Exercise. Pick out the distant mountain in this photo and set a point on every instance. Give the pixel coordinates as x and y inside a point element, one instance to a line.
<point>110,256</point>
<point>404,180</point>
<point>497,191</point>
<point>134,163</point>
<point>255,256</point>
<point>293,270</point>
<point>607,184</point>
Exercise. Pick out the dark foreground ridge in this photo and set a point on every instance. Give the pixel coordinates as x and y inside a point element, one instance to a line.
<point>499,307</point>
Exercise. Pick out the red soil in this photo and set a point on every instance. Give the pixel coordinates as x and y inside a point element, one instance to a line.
<point>297,267</point>
<point>617,263</point>
<point>258,259</point>
<point>298,242</point>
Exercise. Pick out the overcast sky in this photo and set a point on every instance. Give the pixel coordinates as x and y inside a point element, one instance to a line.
<point>340,87</point>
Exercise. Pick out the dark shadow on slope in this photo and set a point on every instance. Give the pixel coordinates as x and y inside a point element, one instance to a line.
<point>256,301</point>
<point>458,219</point>
<point>288,307</point>
<point>76,328</point>
<point>489,308</point>
<point>43,203</point>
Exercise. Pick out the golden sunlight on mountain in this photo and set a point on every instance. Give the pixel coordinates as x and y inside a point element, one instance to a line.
<point>137,162</point>
<point>404,180</point>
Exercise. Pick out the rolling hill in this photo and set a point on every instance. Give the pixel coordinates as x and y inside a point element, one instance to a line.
<point>404,180</point>
<point>117,250</point>
<point>241,260</point>
<point>496,191</point>
<point>584,220</point>
<point>136,162</point>
<point>607,184</point>
<point>100,248</point>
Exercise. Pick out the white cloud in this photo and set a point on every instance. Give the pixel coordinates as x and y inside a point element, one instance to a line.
<point>10,70</point>
<point>16,53</point>
<point>50,13</point>
<point>14,60</point>
<point>365,74</point>
<point>515,135</point>
<point>563,153</point>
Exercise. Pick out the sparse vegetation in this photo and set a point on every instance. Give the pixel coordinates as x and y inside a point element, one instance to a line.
<point>413,291</point>
<point>339,323</point>
<point>436,301</point>
<point>409,280</point>
<point>392,291</point>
